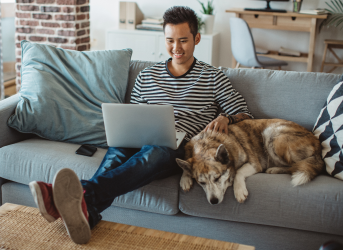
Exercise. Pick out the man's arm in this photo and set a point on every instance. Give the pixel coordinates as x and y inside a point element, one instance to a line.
<point>136,97</point>
<point>221,122</point>
<point>231,102</point>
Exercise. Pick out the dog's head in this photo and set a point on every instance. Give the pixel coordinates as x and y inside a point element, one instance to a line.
<point>210,168</point>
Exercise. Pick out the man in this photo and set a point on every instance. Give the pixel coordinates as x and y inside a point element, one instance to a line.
<point>193,88</point>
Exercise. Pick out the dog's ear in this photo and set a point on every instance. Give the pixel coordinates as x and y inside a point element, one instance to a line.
<point>222,155</point>
<point>185,165</point>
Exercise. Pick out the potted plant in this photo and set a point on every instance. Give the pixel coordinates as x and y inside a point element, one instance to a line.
<point>335,15</point>
<point>201,25</point>
<point>207,16</point>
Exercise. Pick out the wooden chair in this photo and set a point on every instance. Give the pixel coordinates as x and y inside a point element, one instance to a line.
<point>330,45</point>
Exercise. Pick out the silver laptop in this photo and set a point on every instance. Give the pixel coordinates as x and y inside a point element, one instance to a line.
<point>133,125</point>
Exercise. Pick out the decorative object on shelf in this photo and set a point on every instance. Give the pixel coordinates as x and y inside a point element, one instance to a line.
<point>129,15</point>
<point>268,8</point>
<point>151,23</point>
<point>288,52</point>
<point>318,11</point>
<point>335,17</point>
<point>261,51</point>
<point>207,16</point>
<point>297,5</point>
<point>153,20</point>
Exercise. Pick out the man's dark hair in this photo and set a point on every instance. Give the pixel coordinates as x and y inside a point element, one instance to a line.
<point>181,14</point>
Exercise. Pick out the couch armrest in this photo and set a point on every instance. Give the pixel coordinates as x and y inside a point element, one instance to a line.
<point>7,134</point>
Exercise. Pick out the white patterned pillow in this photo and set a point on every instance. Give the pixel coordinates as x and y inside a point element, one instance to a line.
<point>329,130</point>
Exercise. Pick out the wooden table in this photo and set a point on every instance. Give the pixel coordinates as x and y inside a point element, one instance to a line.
<point>283,21</point>
<point>24,228</point>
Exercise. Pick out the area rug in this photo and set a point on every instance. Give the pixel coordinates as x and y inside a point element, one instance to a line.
<point>24,228</point>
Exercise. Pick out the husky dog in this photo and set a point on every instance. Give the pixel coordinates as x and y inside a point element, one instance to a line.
<point>275,146</point>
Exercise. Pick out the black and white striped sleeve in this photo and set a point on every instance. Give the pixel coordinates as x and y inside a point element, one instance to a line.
<point>136,97</point>
<point>231,101</point>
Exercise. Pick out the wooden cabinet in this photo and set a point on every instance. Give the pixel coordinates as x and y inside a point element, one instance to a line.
<point>149,45</point>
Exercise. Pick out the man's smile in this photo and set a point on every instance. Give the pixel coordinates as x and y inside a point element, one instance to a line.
<point>178,55</point>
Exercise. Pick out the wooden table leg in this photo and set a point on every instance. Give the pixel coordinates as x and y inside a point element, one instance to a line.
<point>234,62</point>
<point>324,56</point>
<point>312,44</point>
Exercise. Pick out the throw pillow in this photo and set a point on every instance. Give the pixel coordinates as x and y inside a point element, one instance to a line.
<point>329,130</point>
<point>62,91</point>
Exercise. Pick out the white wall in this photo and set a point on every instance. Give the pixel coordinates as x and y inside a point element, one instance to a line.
<point>104,15</point>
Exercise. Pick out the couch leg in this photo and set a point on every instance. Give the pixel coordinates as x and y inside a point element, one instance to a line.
<point>2,181</point>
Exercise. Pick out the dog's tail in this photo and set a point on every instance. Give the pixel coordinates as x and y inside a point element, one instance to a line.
<point>306,170</point>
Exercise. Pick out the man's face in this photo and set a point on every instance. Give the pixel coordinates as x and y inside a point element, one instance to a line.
<point>180,42</point>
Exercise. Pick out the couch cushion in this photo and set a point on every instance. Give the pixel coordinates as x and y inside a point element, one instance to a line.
<point>315,206</point>
<point>39,159</point>
<point>62,91</point>
<point>160,196</point>
<point>294,96</point>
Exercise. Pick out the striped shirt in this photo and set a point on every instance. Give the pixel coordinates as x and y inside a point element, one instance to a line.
<point>194,95</point>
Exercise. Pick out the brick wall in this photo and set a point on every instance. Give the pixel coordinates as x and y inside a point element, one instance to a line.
<point>61,23</point>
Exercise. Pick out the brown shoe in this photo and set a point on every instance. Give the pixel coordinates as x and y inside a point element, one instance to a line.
<point>69,201</point>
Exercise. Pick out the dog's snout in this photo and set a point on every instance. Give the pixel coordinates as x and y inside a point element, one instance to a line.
<point>214,201</point>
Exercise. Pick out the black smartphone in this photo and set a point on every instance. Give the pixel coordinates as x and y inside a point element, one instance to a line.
<point>86,150</point>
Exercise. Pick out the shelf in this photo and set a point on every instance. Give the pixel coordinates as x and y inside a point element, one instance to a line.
<point>275,55</point>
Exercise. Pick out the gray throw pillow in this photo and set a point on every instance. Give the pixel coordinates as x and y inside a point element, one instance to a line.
<point>62,91</point>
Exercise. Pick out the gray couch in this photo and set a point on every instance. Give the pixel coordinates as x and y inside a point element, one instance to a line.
<point>275,215</point>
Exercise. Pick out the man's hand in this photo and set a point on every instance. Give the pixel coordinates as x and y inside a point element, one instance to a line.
<point>218,125</point>
<point>221,122</point>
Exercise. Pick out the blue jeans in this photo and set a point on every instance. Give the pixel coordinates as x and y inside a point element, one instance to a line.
<point>123,170</point>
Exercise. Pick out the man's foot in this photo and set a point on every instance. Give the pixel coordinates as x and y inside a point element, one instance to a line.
<point>69,201</point>
<point>42,194</point>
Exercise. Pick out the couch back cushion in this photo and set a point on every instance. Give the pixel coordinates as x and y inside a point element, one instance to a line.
<point>135,68</point>
<point>62,91</point>
<point>294,96</point>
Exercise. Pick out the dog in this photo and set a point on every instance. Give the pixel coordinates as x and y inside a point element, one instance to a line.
<point>275,146</point>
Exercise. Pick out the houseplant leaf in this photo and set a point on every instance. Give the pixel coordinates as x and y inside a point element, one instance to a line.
<point>339,6</point>
<point>335,15</point>
<point>208,10</point>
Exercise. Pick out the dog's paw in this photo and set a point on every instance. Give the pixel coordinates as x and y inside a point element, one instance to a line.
<point>241,193</point>
<point>186,183</point>
<point>271,171</point>
<point>277,170</point>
